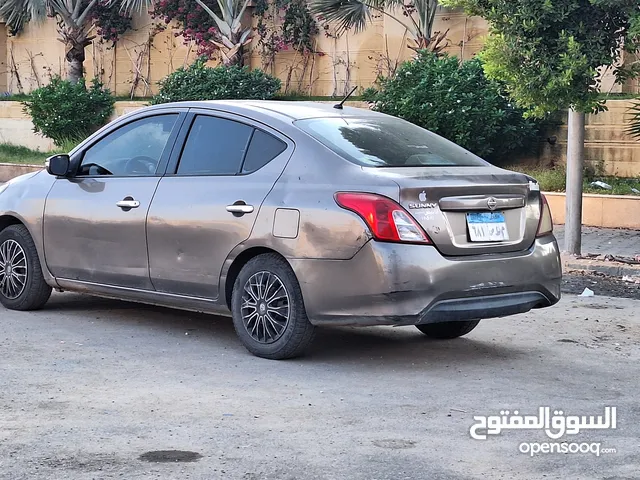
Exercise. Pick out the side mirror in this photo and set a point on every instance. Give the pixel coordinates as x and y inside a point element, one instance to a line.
<point>58,165</point>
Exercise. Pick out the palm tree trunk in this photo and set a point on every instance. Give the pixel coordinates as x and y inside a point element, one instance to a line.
<point>237,58</point>
<point>232,56</point>
<point>75,40</point>
<point>75,68</point>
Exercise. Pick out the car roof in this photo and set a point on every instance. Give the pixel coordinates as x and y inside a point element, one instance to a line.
<point>292,109</point>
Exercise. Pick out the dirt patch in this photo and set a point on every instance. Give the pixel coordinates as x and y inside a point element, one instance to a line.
<point>170,456</point>
<point>576,282</point>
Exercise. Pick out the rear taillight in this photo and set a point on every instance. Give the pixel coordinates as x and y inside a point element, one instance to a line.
<point>545,226</point>
<point>387,220</point>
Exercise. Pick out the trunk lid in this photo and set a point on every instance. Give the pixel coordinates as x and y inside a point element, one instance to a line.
<point>470,210</point>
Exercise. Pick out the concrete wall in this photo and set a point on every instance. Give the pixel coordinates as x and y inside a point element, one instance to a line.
<point>607,145</point>
<point>609,211</point>
<point>16,126</point>
<point>143,56</point>
<point>12,170</point>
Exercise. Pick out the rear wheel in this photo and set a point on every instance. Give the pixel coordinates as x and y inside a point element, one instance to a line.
<point>268,310</point>
<point>22,285</point>
<point>448,330</point>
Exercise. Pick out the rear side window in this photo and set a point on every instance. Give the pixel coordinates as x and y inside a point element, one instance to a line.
<point>214,146</point>
<point>262,150</point>
<point>386,142</point>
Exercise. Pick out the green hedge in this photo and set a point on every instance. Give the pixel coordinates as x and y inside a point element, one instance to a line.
<point>199,82</point>
<point>64,111</point>
<point>457,101</point>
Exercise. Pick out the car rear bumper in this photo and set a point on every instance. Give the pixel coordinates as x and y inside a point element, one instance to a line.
<point>398,284</point>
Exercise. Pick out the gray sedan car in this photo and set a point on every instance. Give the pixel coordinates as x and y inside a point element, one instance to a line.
<point>285,215</point>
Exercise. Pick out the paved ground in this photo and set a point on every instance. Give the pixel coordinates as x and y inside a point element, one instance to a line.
<point>619,242</point>
<point>89,385</point>
<point>575,282</point>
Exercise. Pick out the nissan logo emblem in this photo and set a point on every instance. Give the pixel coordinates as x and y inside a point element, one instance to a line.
<point>491,203</point>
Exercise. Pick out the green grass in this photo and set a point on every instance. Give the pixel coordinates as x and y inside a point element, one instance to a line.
<point>18,97</point>
<point>301,97</point>
<point>618,96</point>
<point>18,154</point>
<point>554,180</point>
<point>127,98</point>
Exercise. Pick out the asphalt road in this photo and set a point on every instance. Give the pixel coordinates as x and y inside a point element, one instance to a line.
<point>88,385</point>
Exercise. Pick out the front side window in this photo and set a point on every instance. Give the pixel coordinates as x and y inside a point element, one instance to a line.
<point>132,150</point>
<point>215,146</point>
<point>386,142</point>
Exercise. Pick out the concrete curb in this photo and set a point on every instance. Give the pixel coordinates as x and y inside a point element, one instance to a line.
<point>12,170</point>
<point>612,269</point>
<point>603,211</point>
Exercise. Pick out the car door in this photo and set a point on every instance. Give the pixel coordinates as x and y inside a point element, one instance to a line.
<point>94,220</point>
<point>208,202</point>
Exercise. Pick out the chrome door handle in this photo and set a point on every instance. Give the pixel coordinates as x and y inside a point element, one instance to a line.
<point>128,204</point>
<point>242,209</point>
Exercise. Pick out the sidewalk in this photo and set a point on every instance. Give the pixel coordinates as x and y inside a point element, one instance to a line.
<point>607,251</point>
<point>612,241</point>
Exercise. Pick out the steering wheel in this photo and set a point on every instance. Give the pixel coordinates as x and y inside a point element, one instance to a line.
<point>142,165</point>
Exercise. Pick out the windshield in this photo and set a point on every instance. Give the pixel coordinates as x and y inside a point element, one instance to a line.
<point>387,142</point>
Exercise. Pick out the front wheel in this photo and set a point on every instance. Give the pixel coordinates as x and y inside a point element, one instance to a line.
<point>447,330</point>
<point>22,285</point>
<point>268,310</point>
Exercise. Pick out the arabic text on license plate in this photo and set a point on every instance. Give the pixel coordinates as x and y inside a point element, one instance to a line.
<point>487,227</point>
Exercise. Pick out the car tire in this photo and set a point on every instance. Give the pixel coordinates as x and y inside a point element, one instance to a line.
<point>447,330</point>
<point>265,290</point>
<point>28,291</point>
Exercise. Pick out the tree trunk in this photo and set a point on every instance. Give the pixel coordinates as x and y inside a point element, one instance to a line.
<point>575,164</point>
<point>231,48</point>
<point>232,56</point>
<point>236,58</point>
<point>75,41</point>
<point>75,69</point>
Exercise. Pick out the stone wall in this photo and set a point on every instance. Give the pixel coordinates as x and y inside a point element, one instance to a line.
<point>16,126</point>
<point>608,147</point>
<point>142,57</point>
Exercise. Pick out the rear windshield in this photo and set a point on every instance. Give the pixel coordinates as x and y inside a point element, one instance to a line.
<point>387,142</point>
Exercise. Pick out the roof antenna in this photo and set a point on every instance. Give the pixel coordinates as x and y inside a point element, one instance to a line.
<point>339,106</point>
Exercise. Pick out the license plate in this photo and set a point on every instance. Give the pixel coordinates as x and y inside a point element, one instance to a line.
<point>487,227</point>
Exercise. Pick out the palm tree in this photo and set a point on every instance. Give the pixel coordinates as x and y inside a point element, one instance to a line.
<point>74,23</point>
<point>231,36</point>
<point>634,124</point>
<point>416,16</point>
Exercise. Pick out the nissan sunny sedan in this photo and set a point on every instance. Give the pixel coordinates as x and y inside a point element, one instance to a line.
<point>286,216</point>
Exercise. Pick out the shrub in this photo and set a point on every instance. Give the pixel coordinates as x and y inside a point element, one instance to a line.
<point>551,178</point>
<point>199,82</point>
<point>65,111</point>
<point>457,101</point>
